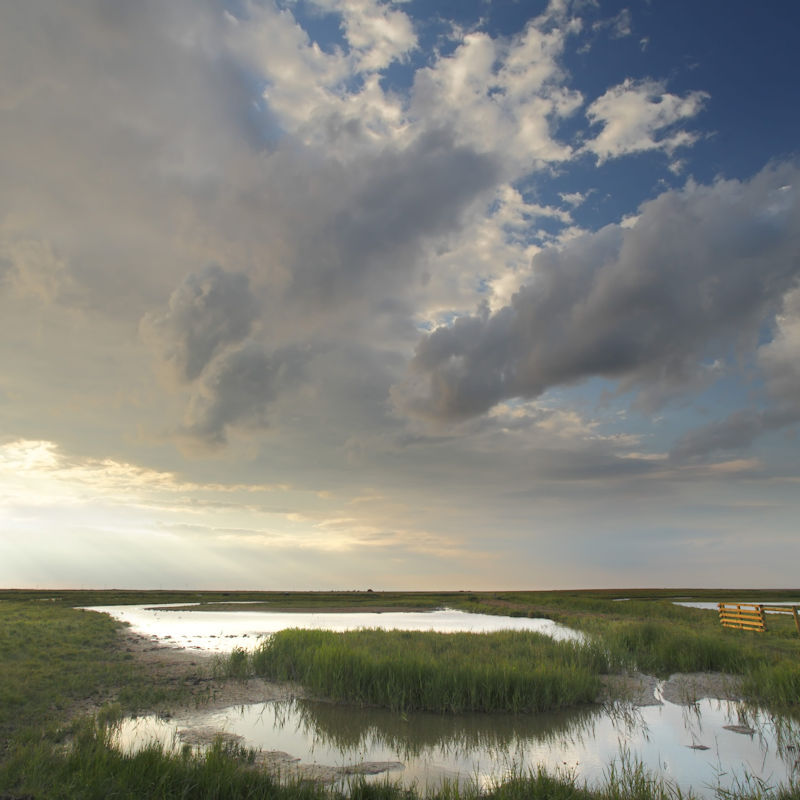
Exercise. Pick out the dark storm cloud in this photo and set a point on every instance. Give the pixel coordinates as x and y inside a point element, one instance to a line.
<point>210,310</point>
<point>650,305</point>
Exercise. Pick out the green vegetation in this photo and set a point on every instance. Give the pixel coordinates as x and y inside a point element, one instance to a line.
<point>57,661</point>
<point>412,671</point>
<point>53,659</point>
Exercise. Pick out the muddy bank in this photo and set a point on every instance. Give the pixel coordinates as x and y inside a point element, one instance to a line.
<point>681,688</point>
<point>688,688</point>
<point>197,672</point>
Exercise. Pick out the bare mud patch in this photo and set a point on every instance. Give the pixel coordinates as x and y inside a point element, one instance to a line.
<point>686,688</point>
<point>681,688</point>
<point>636,688</point>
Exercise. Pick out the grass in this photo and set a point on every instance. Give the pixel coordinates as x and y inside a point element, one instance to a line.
<point>506,672</point>
<point>55,660</point>
<point>416,671</point>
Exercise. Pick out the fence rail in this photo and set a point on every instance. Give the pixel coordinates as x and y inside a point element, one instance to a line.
<point>751,616</point>
<point>746,616</point>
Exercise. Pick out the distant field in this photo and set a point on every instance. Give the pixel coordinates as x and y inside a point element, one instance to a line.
<point>356,599</point>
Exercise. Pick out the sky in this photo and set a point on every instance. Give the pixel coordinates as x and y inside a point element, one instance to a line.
<point>349,294</point>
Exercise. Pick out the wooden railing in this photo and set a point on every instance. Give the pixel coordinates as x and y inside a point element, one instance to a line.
<point>751,616</point>
<point>746,616</point>
<point>785,610</point>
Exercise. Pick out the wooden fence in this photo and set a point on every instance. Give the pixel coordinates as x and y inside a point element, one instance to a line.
<point>751,616</point>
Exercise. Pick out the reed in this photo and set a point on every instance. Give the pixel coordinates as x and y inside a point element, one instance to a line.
<point>662,647</point>
<point>402,670</point>
<point>775,686</point>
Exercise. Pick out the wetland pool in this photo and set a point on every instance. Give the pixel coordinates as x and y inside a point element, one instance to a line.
<point>703,746</point>
<point>221,631</point>
<point>689,745</point>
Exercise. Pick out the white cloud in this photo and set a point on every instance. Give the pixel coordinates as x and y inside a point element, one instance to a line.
<point>502,96</point>
<point>640,116</point>
<point>376,33</point>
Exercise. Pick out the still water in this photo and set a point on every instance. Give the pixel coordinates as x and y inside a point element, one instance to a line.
<point>221,631</point>
<point>691,745</point>
<point>427,749</point>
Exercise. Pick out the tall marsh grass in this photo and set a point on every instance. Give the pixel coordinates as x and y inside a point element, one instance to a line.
<point>661,648</point>
<point>405,671</point>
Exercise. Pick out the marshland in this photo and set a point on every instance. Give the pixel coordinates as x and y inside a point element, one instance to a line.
<point>76,683</point>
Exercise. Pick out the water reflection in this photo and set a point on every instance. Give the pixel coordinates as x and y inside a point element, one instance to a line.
<point>691,745</point>
<point>221,631</point>
<point>409,736</point>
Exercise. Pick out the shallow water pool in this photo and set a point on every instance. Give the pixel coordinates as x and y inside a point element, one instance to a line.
<point>221,631</point>
<point>688,745</point>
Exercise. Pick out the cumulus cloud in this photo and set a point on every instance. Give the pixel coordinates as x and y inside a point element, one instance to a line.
<point>377,33</point>
<point>653,305</point>
<point>369,236</point>
<point>637,116</point>
<point>503,96</point>
<point>210,310</point>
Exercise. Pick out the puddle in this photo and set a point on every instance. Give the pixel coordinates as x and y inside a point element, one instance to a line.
<point>221,631</point>
<point>704,746</point>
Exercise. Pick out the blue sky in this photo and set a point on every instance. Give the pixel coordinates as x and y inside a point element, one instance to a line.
<point>351,293</point>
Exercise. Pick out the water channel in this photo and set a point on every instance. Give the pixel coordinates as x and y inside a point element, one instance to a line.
<point>705,746</point>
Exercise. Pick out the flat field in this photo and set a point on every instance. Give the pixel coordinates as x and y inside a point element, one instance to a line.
<point>67,674</point>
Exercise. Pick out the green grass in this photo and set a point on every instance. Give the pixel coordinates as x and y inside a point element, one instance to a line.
<point>55,659</point>
<point>52,658</point>
<point>412,671</point>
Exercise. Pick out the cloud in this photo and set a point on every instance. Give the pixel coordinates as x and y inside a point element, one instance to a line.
<point>637,116</point>
<point>504,96</point>
<point>619,26</point>
<point>779,361</point>
<point>370,235</point>
<point>237,390</point>
<point>210,310</point>
<point>653,305</point>
<point>377,33</point>
<point>734,433</point>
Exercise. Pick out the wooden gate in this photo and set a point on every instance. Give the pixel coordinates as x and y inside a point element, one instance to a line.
<point>745,616</point>
<point>750,616</point>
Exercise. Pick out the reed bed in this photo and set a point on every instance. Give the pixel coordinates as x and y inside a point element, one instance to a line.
<point>424,671</point>
<point>661,647</point>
